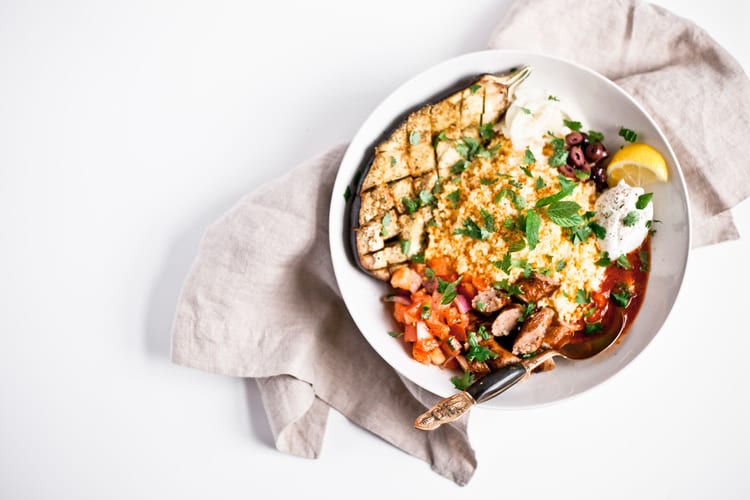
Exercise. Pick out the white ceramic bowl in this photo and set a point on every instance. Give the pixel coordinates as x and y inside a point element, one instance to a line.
<point>606,108</point>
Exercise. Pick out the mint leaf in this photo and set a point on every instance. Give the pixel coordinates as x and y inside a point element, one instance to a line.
<point>566,188</point>
<point>533,222</point>
<point>565,213</point>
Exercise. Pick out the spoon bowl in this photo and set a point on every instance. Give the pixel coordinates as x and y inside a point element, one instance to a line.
<point>499,381</point>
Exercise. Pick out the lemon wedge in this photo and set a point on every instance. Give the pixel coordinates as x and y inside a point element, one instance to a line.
<point>637,164</point>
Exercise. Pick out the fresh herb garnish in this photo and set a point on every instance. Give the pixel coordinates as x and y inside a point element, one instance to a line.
<point>621,294</point>
<point>566,188</point>
<point>574,126</point>
<point>487,131</point>
<point>526,110</point>
<point>582,175</point>
<point>405,246</point>
<point>474,88</point>
<point>552,98</point>
<point>595,136</point>
<point>393,161</point>
<point>526,171</point>
<point>560,265</point>
<point>582,296</point>
<point>478,352</point>
<point>604,260</point>
<point>527,310</point>
<point>628,134</point>
<point>559,153</point>
<point>489,220</point>
<point>643,257</point>
<point>528,158</point>
<point>426,311</point>
<point>459,167</point>
<point>395,334</point>
<point>565,213</point>
<point>623,262</point>
<point>533,223</point>
<point>518,201</point>
<point>472,230</point>
<point>347,193</point>
<point>429,273</point>
<point>440,137</point>
<point>504,264</point>
<point>631,218</point>
<point>487,182</point>
<point>464,381</point>
<point>593,327</point>
<point>539,183</point>
<point>479,305</point>
<point>448,289</point>
<point>414,137</point>
<point>505,286</point>
<point>418,258</point>
<point>454,197</point>
<point>516,245</point>
<point>643,200</point>
<point>410,205</point>
<point>384,223</point>
<point>426,198</point>
<point>482,331</point>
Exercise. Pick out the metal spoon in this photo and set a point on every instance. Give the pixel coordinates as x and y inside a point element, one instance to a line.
<point>499,381</point>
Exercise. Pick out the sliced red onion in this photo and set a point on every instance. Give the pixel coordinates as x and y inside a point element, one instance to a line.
<point>462,303</point>
<point>398,298</point>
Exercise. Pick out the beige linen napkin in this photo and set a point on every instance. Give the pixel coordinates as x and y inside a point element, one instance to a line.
<point>261,300</point>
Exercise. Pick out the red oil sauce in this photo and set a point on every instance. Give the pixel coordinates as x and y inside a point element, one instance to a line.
<point>619,280</point>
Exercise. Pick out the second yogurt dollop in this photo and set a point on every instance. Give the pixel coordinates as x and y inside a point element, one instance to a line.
<point>627,225</point>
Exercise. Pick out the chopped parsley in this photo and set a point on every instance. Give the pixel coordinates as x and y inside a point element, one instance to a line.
<point>582,175</point>
<point>516,245</point>
<point>552,98</point>
<point>593,327</point>
<point>527,310</point>
<point>507,287</point>
<point>426,198</point>
<point>487,131</point>
<point>643,257</point>
<point>464,381</point>
<point>448,289</point>
<point>459,167</point>
<point>480,305</point>
<point>393,161</point>
<point>429,273</point>
<point>347,193</point>
<point>487,182</point>
<point>384,223</point>
<point>621,295</point>
<point>539,183</point>
<point>440,137</point>
<point>473,230</point>
<point>414,137</point>
<point>410,205</point>
<point>395,334</point>
<point>528,158</point>
<point>426,311</point>
<point>582,296</point>
<point>560,265</point>
<point>405,246</point>
<point>643,200</point>
<point>631,218</point>
<point>595,136</point>
<point>604,260</point>
<point>623,262</point>
<point>526,110</point>
<point>518,201</point>
<point>574,126</point>
<point>470,148</point>
<point>559,153</point>
<point>478,352</point>
<point>482,331</point>
<point>628,134</point>
<point>474,88</point>
<point>504,264</point>
<point>418,258</point>
<point>454,197</point>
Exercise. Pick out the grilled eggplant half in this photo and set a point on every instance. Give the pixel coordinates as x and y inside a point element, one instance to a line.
<point>393,205</point>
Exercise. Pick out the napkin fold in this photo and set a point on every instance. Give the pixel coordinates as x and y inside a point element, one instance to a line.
<point>261,299</point>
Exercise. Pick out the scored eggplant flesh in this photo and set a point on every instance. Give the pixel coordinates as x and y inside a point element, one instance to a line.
<point>387,211</point>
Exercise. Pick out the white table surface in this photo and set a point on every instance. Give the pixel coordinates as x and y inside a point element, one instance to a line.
<point>127,127</point>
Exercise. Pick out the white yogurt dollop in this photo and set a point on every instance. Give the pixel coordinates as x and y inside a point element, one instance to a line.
<point>626,225</point>
<point>531,116</point>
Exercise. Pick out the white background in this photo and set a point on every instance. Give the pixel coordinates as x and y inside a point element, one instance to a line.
<point>126,128</point>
